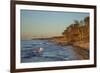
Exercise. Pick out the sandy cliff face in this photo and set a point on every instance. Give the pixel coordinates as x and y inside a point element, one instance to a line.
<point>76,34</point>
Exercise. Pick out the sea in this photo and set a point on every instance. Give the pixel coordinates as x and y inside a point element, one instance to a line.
<point>50,51</point>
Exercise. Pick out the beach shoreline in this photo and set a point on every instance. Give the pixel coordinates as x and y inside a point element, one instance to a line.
<point>81,48</point>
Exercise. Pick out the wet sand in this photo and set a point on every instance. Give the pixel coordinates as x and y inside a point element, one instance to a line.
<point>81,48</point>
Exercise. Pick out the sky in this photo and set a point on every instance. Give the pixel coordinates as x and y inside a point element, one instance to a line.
<point>42,24</point>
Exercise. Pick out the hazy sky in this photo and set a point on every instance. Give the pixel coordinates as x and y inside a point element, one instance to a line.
<point>36,24</point>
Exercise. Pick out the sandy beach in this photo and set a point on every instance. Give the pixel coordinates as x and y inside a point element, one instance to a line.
<point>80,47</point>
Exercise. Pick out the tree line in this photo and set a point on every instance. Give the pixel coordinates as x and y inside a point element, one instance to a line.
<point>78,31</point>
